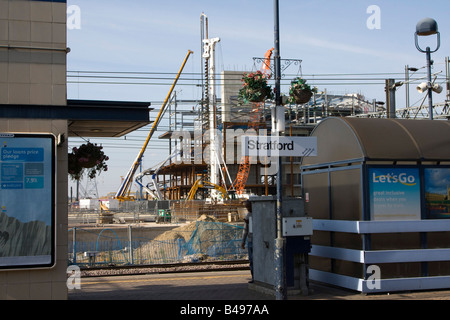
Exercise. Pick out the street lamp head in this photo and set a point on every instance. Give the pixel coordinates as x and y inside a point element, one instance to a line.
<point>426,27</point>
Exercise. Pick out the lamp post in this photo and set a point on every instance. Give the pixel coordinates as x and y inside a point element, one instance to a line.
<point>280,278</point>
<point>426,27</point>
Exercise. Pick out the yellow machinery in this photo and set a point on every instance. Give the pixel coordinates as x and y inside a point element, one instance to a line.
<point>125,188</point>
<point>209,185</point>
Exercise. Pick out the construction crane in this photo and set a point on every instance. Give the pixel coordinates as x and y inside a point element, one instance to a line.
<point>208,185</point>
<point>153,172</point>
<point>255,115</point>
<point>125,187</point>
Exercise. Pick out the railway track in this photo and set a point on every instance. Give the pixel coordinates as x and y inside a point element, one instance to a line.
<point>165,268</point>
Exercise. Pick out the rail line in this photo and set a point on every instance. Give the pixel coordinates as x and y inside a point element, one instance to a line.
<point>165,268</point>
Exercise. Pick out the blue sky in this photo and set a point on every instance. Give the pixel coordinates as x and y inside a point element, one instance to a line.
<point>330,37</point>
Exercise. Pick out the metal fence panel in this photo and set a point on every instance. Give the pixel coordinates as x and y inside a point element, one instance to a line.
<point>209,240</point>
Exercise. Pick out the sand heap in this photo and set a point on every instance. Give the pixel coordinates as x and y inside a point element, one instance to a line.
<point>184,232</point>
<point>202,239</point>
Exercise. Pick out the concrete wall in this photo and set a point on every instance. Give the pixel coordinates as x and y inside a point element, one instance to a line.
<point>33,71</point>
<point>32,52</point>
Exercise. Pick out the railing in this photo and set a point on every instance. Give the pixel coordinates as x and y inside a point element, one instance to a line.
<point>440,111</point>
<point>373,257</point>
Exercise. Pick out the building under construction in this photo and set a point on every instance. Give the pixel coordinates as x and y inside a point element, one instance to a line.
<point>228,172</point>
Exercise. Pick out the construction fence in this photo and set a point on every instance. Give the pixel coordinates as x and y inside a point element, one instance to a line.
<point>230,211</point>
<point>205,239</point>
<point>170,210</point>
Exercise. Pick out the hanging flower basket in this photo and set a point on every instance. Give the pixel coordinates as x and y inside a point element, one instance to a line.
<point>300,92</point>
<point>87,156</point>
<point>255,88</point>
<point>301,96</point>
<point>255,95</point>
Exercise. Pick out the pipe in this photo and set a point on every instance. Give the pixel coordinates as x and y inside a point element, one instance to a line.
<point>66,50</point>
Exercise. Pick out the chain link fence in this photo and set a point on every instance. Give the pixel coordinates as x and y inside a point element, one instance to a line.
<point>203,240</point>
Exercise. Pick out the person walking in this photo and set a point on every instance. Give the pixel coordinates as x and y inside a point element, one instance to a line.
<point>248,236</point>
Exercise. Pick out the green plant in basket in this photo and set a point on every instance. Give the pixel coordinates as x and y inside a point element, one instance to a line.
<point>87,156</point>
<point>255,88</point>
<point>300,92</point>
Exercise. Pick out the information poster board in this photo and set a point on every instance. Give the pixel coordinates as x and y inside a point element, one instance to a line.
<point>394,193</point>
<point>27,200</point>
<point>437,193</point>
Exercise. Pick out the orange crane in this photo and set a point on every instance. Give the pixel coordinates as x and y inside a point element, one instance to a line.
<point>255,116</point>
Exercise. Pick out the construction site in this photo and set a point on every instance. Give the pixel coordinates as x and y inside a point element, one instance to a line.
<point>206,175</point>
<point>281,171</point>
<point>315,167</point>
<point>190,206</point>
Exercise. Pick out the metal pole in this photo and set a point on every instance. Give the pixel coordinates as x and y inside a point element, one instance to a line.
<point>407,85</point>
<point>447,77</point>
<point>392,98</point>
<point>430,99</point>
<point>130,246</point>
<point>74,245</point>
<point>388,92</point>
<point>280,278</point>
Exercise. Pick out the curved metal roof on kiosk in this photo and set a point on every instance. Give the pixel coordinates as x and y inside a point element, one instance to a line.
<point>340,139</point>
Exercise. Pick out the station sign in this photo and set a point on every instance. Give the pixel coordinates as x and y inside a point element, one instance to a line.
<point>27,200</point>
<point>279,146</point>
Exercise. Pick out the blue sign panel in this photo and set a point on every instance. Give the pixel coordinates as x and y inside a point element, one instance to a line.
<point>394,193</point>
<point>27,200</point>
<point>22,154</point>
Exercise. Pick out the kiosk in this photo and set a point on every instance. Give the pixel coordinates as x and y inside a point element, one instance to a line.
<point>297,230</point>
<point>379,194</point>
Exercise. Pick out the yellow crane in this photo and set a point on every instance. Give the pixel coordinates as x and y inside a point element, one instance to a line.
<point>209,185</point>
<point>125,187</point>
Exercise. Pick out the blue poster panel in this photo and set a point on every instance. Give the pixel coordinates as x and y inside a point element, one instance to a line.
<point>394,193</point>
<point>437,193</point>
<point>27,200</point>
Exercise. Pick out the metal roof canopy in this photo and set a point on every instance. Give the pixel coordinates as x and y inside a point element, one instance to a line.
<point>87,118</point>
<point>341,139</point>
